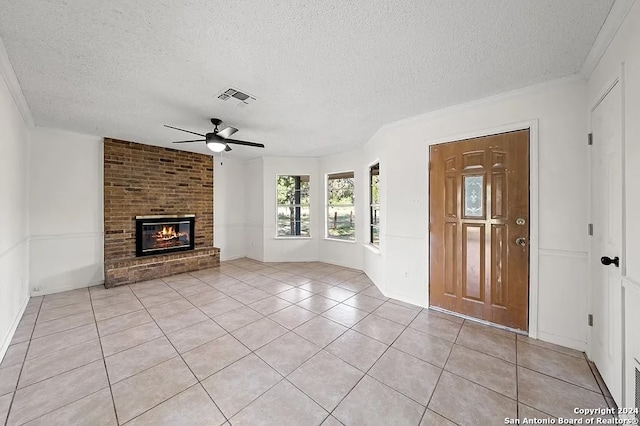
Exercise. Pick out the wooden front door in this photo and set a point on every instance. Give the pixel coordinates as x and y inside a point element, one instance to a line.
<point>479,228</point>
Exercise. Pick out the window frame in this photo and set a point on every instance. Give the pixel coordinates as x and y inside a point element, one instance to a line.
<point>374,207</point>
<point>328,205</point>
<point>298,205</point>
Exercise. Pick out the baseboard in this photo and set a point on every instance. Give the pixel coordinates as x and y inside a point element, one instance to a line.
<point>562,341</point>
<point>12,330</point>
<point>60,289</point>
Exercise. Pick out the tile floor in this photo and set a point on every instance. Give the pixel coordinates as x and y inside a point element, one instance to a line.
<point>275,344</point>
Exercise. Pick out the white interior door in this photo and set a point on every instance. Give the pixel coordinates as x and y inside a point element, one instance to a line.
<point>605,346</point>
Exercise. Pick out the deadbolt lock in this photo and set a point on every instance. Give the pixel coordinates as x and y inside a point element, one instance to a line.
<point>522,242</point>
<point>520,221</point>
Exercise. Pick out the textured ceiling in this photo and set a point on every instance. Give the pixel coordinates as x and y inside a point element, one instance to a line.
<point>327,74</point>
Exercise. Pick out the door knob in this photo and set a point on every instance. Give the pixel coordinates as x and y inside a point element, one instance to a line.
<point>522,242</point>
<point>608,261</point>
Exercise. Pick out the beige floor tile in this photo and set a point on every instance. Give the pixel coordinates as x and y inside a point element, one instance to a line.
<point>438,314</point>
<point>275,286</point>
<point>212,357</point>
<point>428,348</point>
<point>59,300</point>
<point>5,403</point>
<point>269,305</point>
<point>315,286</point>
<point>320,331</point>
<point>23,334</point>
<point>355,285</point>
<point>526,412</point>
<point>283,404</point>
<point>159,299</point>
<point>49,395</point>
<point>485,370</point>
<point>317,304</point>
<point>64,311</point>
<point>431,418</point>
<point>379,328</point>
<point>234,387</point>
<point>236,288</point>
<point>210,295</point>
<point>259,333</point>
<point>111,311</point>
<point>326,379</point>
<point>95,410</point>
<point>287,352</point>
<point>364,302</point>
<point>554,396</point>
<point>490,329</point>
<point>396,313</point>
<point>137,394</point>
<point>556,364</point>
<point>15,354</point>
<point>338,294</point>
<point>62,324</point>
<point>237,318</point>
<point>220,306</point>
<point>198,334</point>
<point>99,291</point>
<point>292,316</point>
<point>567,351</point>
<point>331,421</point>
<point>170,308</point>
<point>9,379</point>
<point>373,291</point>
<point>488,343</point>
<point>408,375</point>
<point>116,299</point>
<point>345,315</point>
<point>467,403</point>
<point>357,349</point>
<point>191,289</point>
<point>181,320</point>
<point>139,358</point>
<point>296,280</point>
<point>64,339</point>
<point>435,326</point>
<point>116,324</point>
<point>192,407</point>
<point>50,365</point>
<point>129,338</point>
<point>373,403</point>
<point>251,296</point>
<point>295,295</point>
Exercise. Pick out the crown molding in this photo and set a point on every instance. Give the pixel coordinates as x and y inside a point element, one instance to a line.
<point>609,29</point>
<point>9,75</point>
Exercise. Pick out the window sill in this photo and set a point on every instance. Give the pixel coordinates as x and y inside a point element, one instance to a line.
<point>295,237</point>
<point>375,250</point>
<point>340,241</point>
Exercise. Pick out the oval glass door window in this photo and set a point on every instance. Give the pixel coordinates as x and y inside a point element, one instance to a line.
<point>473,196</point>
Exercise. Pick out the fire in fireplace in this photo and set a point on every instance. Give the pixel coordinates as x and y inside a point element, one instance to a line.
<point>164,234</point>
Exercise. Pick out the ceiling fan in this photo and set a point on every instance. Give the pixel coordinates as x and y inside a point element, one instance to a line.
<point>218,140</point>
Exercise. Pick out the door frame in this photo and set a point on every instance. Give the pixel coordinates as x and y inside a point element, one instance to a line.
<point>615,78</point>
<point>532,126</point>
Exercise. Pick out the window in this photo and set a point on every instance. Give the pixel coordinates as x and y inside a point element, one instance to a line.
<point>374,203</point>
<point>340,209</point>
<point>293,206</point>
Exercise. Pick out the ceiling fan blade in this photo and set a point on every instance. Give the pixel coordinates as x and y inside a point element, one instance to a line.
<point>228,148</point>
<point>227,132</point>
<point>183,130</point>
<point>195,140</point>
<point>237,142</point>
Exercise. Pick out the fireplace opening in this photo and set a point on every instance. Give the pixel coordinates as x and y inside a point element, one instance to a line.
<point>164,234</point>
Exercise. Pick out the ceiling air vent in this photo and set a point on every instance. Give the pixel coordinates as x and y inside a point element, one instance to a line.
<point>235,94</point>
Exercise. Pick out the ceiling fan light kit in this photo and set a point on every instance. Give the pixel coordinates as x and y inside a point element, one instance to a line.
<point>218,140</point>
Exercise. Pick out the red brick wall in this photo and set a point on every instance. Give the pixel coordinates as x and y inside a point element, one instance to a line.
<point>148,180</point>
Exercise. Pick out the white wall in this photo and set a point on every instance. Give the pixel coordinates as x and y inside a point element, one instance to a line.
<point>14,243</point>
<point>66,206</point>
<point>254,204</point>
<point>401,268</point>
<point>622,60</point>
<point>229,203</point>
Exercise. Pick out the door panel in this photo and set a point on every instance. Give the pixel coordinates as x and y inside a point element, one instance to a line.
<point>478,188</point>
<point>605,348</point>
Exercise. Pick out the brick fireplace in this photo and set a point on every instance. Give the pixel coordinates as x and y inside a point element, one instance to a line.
<point>158,212</point>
